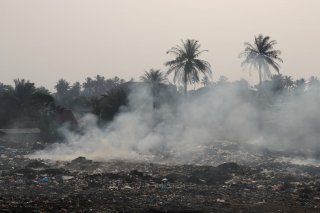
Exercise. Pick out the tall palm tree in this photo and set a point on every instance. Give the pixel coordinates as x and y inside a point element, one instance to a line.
<point>261,56</point>
<point>155,77</point>
<point>186,65</point>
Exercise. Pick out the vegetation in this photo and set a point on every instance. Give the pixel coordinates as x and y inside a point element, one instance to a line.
<point>79,96</point>
<point>186,65</point>
<point>261,56</point>
<point>25,106</point>
<point>205,81</point>
<point>110,104</point>
<point>155,78</point>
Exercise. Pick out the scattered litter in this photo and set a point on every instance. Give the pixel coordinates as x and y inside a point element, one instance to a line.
<point>67,178</point>
<point>220,200</point>
<point>266,185</point>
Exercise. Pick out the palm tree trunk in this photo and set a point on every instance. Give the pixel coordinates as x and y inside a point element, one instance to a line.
<point>260,80</point>
<point>153,96</point>
<point>260,76</point>
<point>185,84</point>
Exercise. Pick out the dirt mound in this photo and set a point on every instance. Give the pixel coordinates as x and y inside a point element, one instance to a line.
<point>36,165</point>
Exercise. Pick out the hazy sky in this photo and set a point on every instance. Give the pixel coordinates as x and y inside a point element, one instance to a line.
<point>44,40</point>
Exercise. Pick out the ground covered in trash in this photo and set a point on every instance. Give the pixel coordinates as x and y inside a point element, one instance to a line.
<point>220,178</point>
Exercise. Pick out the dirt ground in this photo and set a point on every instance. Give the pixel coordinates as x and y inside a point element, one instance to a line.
<point>82,185</point>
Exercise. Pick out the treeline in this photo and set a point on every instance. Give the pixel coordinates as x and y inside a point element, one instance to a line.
<point>24,106</point>
<point>73,95</point>
<point>275,86</point>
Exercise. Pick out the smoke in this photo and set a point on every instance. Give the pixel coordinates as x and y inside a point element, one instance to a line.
<point>296,124</point>
<point>229,112</point>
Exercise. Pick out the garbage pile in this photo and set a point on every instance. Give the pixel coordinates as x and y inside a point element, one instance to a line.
<point>84,185</point>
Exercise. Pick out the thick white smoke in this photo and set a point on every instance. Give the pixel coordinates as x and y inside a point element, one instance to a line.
<point>230,112</point>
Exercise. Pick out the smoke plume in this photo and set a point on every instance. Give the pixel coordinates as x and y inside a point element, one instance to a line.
<point>229,112</point>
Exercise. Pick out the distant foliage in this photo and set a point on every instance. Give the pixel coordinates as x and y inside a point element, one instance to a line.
<point>78,96</point>
<point>154,76</point>
<point>109,104</point>
<point>25,106</point>
<point>99,85</point>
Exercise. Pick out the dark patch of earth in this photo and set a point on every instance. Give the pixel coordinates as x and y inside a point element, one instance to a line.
<point>83,185</point>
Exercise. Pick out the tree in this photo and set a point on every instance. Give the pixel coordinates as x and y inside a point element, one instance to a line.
<point>88,87</point>
<point>62,87</point>
<point>75,90</point>
<point>43,90</point>
<point>288,82</point>
<point>16,103</point>
<point>99,84</point>
<point>154,77</point>
<point>4,88</point>
<point>300,85</point>
<point>205,81</point>
<point>23,91</point>
<point>261,56</point>
<point>314,82</point>
<point>93,88</point>
<point>186,65</point>
<point>109,104</point>
<point>118,81</point>
<point>24,105</point>
<point>277,83</point>
<point>62,95</point>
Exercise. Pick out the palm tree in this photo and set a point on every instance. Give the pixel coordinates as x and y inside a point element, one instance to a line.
<point>24,103</point>
<point>300,85</point>
<point>313,82</point>
<point>261,55</point>
<point>109,104</point>
<point>288,82</point>
<point>277,83</point>
<point>155,77</point>
<point>205,81</point>
<point>186,65</point>
<point>23,91</point>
